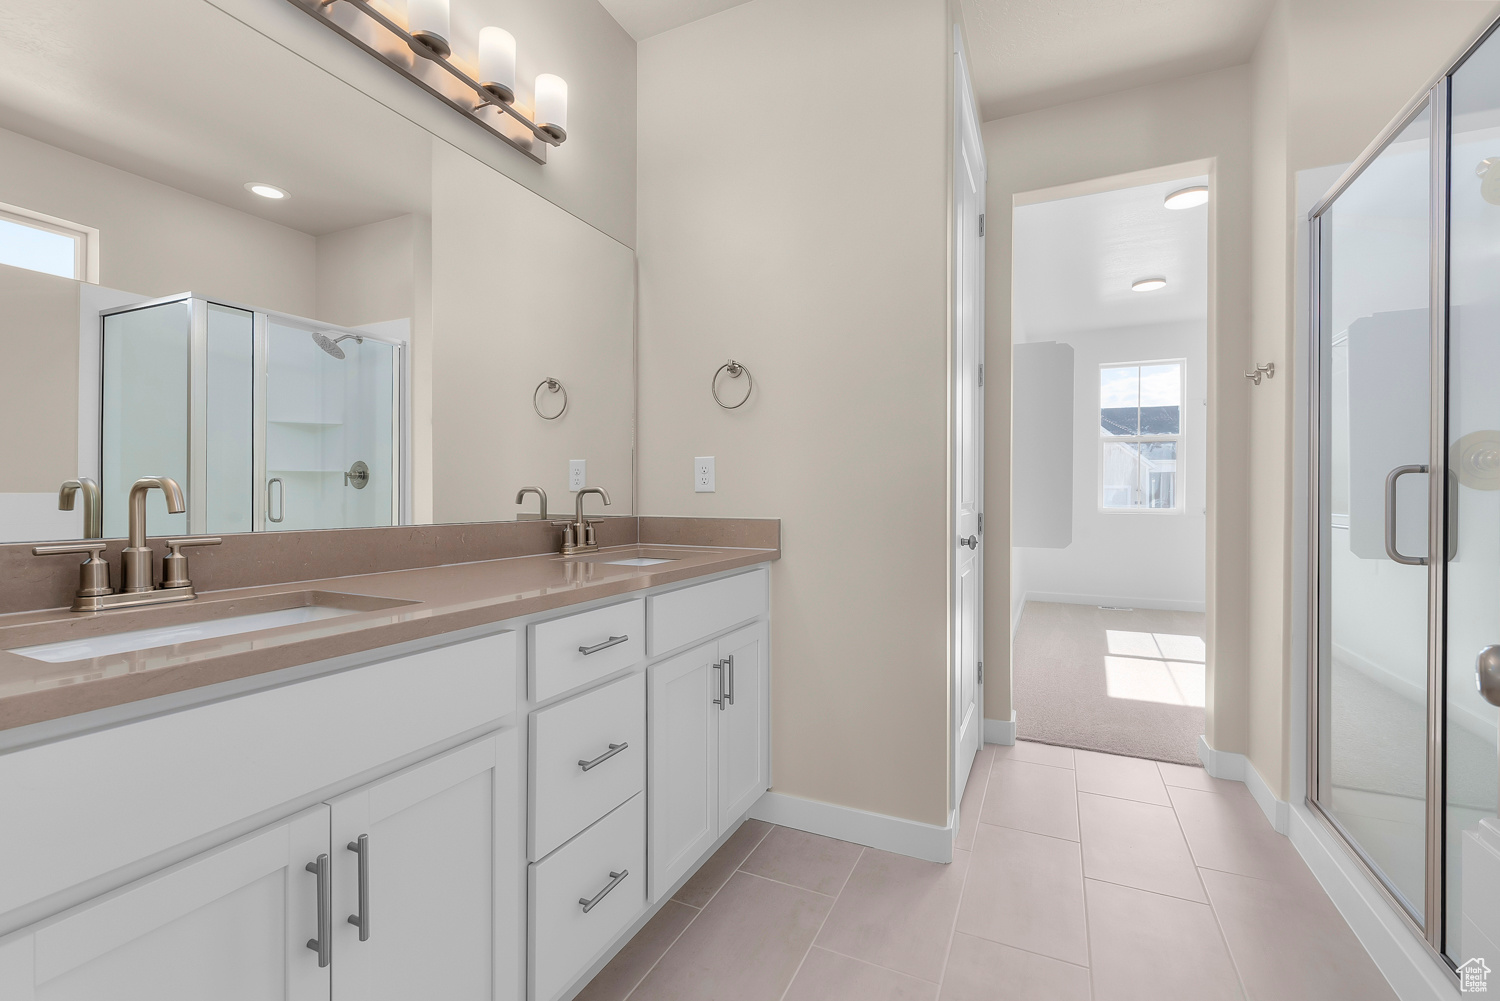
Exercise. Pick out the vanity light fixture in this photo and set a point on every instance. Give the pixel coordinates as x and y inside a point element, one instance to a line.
<point>1147,284</point>
<point>1187,198</point>
<point>270,191</point>
<point>485,92</point>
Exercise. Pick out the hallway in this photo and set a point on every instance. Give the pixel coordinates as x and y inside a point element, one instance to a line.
<point>1076,876</point>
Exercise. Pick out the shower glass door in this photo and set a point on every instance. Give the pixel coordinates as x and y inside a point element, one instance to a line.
<point>1406,729</point>
<point>1374,344</point>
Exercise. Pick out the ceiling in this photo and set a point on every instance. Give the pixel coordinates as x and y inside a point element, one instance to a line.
<point>158,88</point>
<point>1030,54</point>
<point>1075,259</point>
<point>644,18</point>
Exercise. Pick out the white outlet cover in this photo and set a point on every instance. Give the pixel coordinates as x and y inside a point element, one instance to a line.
<point>577,474</point>
<point>703,474</point>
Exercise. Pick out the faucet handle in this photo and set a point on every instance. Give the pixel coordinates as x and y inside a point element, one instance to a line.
<point>174,565</point>
<point>93,573</point>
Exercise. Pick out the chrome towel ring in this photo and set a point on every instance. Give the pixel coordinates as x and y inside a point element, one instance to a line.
<point>735,370</point>
<point>552,386</point>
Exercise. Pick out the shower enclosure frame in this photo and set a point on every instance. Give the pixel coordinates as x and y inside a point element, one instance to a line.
<point>1431,926</point>
<point>196,488</point>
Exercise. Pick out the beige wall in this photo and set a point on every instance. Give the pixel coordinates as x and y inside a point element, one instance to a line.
<point>819,258</point>
<point>39,402</point>
<point>368,273</point>
<point>522,291</point>
<point>1328,75</point>
<point>155,240</point>
<point>1204,117</point>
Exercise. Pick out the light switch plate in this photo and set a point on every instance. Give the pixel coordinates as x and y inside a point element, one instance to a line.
<point>703,474</point>
<point>577,477</point>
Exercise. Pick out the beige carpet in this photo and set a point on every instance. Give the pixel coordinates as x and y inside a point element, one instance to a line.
<point>1121,681</point>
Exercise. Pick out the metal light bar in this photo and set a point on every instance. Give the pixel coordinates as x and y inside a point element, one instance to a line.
<point>367,25</point>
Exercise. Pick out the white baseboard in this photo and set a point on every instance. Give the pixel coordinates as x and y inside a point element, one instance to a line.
<point>1231,765</point>
<point>1402,958</point>
<point>873,830</point>
<point>1000,731</point>
<point>1161,604</point>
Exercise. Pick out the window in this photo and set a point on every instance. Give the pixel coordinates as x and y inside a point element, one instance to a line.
<point>1140,434</point>
<point>43,243</point>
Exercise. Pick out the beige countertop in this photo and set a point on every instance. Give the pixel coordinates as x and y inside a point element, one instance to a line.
<point>387,608</point>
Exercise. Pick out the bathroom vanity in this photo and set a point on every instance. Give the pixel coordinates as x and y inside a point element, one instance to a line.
<point>463,781</point>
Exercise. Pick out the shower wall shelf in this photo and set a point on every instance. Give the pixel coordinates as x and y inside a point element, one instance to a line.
<point>370,24</point>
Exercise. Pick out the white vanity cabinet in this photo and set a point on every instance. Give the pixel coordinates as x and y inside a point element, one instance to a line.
<point>710,747</point>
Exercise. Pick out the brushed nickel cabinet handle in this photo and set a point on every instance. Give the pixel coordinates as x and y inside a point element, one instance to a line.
<point>730,661</point>
<point>323,944</point>
<point>612,641</point>
<point>362,919</point>
<point>719,666</point>
<point>589,903</point>
<point>613,750</point>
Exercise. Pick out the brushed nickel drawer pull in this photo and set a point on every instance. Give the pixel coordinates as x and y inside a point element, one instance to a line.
<point>589,903</point>
<point>613,750</point>
<point>612,641</point>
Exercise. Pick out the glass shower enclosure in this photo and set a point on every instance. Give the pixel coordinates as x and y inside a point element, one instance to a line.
<point>1404,729</point>
<point>268,421</point>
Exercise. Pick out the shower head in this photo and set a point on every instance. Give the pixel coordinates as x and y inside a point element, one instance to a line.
<point>328,344</point>
<point>331,344</point>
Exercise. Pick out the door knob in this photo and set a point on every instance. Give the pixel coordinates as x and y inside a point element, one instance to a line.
<point>1487,674</point>
<point>972,541</point>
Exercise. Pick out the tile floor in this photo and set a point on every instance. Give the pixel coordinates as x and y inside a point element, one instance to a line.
<point>1077,875</point>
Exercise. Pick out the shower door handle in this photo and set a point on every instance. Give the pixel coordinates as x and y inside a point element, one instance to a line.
<point>1390,515</point>
<point>277,480</point>
<point>1487,674</point>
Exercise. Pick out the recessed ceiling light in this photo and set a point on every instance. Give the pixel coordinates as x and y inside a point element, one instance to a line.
<point>1147,284</point>
<point>265,190</point>
<point>1187,198</point>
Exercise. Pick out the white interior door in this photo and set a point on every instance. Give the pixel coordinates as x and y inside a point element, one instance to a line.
<point>231,924</point>
<point>968,423</point>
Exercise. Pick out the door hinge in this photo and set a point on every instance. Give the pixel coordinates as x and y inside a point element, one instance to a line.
<point>981,523</point>
<point>981,374</point>
<point>981,672</point>
<point>981,224</point>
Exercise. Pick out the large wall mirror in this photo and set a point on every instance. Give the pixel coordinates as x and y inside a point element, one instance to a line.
<point>380,346</point>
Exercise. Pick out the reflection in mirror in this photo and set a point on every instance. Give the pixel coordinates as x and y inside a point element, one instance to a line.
<point>360,351</point>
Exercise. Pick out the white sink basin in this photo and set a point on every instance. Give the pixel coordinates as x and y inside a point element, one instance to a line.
<point>89,647</point>
<point>636,561</point>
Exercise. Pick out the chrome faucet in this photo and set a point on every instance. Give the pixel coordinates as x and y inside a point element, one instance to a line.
<point>93,514</point>
<point>137,570</point>
<point>578,535</point>
<point>521,495</point>
<point>137,561</point>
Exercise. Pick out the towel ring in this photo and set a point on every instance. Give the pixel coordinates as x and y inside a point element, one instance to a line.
<point>552,386</point>
<point>735,369</point>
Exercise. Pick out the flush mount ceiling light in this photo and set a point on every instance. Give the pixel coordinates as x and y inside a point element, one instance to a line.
<point>1147,284</point>
<point>265,190</point>
<point>483,90</point>
<point>1187,198</point>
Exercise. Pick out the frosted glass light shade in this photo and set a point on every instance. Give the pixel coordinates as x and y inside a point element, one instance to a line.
<point>552,105</point>
<point>427,22</point>
<point>497,63</point>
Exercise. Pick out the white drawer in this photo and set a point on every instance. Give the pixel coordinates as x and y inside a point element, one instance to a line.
<point>608,722</point>
<point>694,613</point>
<point>559,662</point>
<point>564,939</point>
<point>79,808</point>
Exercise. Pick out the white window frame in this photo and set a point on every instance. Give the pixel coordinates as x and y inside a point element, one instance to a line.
<point>85,238</point>
<point>1179,480</point>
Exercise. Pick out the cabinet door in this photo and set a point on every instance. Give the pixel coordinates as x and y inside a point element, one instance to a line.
<point>682,748</point>
<point>231,924</point>
<point>442,902</point>
<point>744,725</point>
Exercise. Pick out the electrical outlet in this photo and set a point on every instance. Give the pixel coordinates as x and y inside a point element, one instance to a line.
<point>703,474</point>
<point>577,478</point>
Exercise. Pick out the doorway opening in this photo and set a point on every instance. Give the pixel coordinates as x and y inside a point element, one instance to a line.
<point>1109,320</point>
